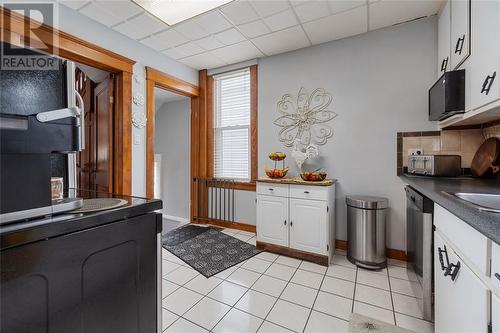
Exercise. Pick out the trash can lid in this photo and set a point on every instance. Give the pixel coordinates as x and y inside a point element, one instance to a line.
<point>366,202</point>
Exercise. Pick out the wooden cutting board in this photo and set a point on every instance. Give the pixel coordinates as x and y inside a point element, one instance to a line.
<point>486,158</point>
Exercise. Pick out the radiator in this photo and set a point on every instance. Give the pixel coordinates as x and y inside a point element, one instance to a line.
<point>215,199</point>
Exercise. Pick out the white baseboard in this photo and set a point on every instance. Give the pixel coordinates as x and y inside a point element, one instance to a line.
<point>182,220</point>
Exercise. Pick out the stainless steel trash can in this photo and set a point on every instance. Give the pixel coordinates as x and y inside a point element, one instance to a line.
<point>366,231</point>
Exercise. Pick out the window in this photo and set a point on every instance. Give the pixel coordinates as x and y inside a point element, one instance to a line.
<point>232,130</point>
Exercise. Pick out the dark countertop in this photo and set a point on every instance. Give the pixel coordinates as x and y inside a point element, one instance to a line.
<point>487,223</point>
<point>19,233</point>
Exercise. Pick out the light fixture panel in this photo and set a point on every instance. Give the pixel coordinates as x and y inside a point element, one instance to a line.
<point>175,11</point>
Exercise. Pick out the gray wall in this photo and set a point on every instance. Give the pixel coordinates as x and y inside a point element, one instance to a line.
<point>379,83</point>
<point>172,141</point>
<point>81,26</point>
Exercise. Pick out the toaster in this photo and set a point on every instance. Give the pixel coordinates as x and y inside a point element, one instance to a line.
<point>435,165</point>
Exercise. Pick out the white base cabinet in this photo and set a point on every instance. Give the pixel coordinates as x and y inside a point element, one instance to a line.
<point>272,220</point>
<point>309,225</point>
<point>461,303</point>
<point>299,217</point>
<point>466,298</point>
<point>495,314</point>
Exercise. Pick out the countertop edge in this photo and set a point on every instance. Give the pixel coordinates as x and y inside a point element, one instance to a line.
<point>297,181</point>
<point>487,223</point>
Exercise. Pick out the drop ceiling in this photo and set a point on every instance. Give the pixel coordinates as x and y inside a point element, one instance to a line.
<point>243,30</point>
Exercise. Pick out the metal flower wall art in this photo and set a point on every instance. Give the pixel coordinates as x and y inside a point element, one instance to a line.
<point>304,118</point>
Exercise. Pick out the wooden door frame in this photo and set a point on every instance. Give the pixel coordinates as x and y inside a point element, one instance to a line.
<point>158,79</point>
<point>14,27</point>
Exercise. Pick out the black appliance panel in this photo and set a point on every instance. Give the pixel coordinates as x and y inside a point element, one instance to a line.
<point>98,280</point>
<point>447,95</point>
<point>28,92</point>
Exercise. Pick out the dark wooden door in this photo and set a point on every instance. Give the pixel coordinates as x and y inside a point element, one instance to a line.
<point>85,158</point>
<point>103,111</point>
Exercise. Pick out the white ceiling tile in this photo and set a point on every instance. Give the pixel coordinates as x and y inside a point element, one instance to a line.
<point>238,52</point>
<point>99,15</point>
<point>131,30</point>
<point>171,38</point>
<point>265,7</point>
<point>239,12</point>
<point>385,13</point>
<point>337,26</point>
<point>73,4</point>
<point>254,29</point>
<point>173,53</point>
<point>148,23</point>
<point>191,29</point>
<point>229,37</point>
<point>281,20</point>
<point>213,22</point>
<point>121,9</point>
<point>155,43</point>
<point>209,43</point>
<point>312,10</point>
<point>282,41</point>
<point>204,60</point>
<point>341,6</point>
<point>189,49</point>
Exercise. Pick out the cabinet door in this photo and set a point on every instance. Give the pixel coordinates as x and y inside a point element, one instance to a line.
<point>460,31</point>
<point>444,26</point>
<point>461,305</point>
<point>272,220</point>
<point>495,314</point>
<point>485,52</point>
<point>308,225</point>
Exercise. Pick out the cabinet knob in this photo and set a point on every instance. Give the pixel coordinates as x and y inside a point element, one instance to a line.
<point>285,222</point>
<point>271,189</point>
<point>291,223</point>
<point>497,276</point>
<point>306,192</point>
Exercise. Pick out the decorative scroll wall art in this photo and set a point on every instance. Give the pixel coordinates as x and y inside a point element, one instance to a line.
<point>305,117</point>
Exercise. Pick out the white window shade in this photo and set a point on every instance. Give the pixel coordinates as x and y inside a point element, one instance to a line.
<point>232,125</point>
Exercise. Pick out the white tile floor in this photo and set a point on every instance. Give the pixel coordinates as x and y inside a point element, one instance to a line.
<point>272,293</point>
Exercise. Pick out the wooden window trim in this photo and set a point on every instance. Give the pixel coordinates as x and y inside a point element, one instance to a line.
<point>76,49</point>
<point>156,78</point>
<point>244,186</point>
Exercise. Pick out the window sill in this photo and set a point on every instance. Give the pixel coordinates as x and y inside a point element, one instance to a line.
<point>245,186</point>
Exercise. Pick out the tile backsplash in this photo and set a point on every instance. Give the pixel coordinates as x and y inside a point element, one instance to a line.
<point>463,142</point>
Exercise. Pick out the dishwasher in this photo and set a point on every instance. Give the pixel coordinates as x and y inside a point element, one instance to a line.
<point>420,242</point>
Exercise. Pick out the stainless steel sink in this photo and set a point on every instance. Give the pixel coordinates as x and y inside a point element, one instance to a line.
<point>482,201</point>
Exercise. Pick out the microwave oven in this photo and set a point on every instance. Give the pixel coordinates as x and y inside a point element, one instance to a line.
<point>447,95</point>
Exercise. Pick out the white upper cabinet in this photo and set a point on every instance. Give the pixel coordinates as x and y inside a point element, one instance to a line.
<point>309,225</point>
<point>485,67</point>
<point>272,219</point>
<point>460,32</point>
<point>444,26</point>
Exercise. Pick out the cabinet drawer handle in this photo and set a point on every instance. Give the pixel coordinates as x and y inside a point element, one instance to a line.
<point>441,259</point>
<point>497,276</point>
<point>271,189</point>
<point>444,64</point>
<point>306,192</point>
<point>460,45</point>
<point>487,83</point>
<point>452,270</point>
